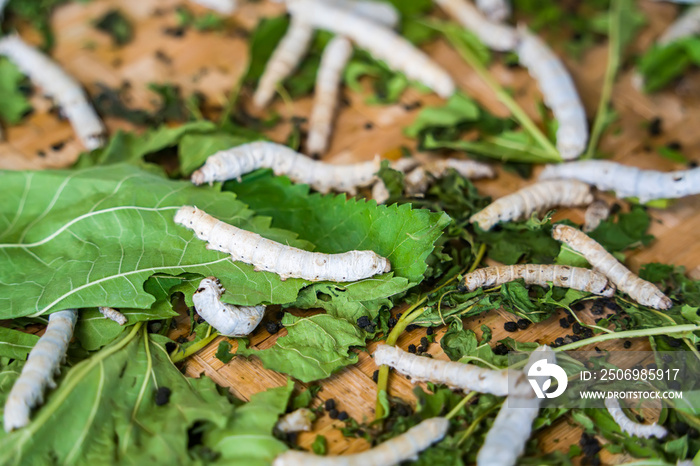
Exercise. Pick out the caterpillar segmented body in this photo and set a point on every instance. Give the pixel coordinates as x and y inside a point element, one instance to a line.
<point>417,180</point>
<point>628,426</point>
<point>222,6</point>
<point>229,320</point>
<point>57,84</point>
<point>640,290</point>
<point>687,24</point>
<point>511,429</point>
<point>537,197</point>
<point>565,276</point>
<point>646,185</point>
<point>299,420</point>
<point>495,36</point>
<point>401,448</point>
<point>323,177</point>
<point>285,261</point>
<point>381,42</point>
<point>558,92</point>
<point>595,214</point>
<point>380,12</point>
<point>113,314</point>
<point>495,10</point>
<point>43,362</point>
<point>455,375</point>
<point>286,57</point>
<point>335,57</point>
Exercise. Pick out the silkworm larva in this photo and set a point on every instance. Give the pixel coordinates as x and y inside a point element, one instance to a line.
<point>113,314</point>
<point>43,362</point>
<point>687,24</point>
<point>380,12</point>
<point>381,42</point>
<point>335,57</point>
<point>628,426</point>
<point>299,420</point>
<point>286,57</point>
<point>416,181</point>
<point>558,92</point>
<point>646,185</point>
<point>595,214</point>
<point>564,276</point>
<point>285,261</point>
<point>401,448</point>
<point>455,375</point>
<point>494,35</point>
<point>495,10</point>
<point>229,320</point>
<point>323,177</point>
<point>640,290</point>
<point>511,429</point>
<point>537,197</point>
<point>58,85</point>
<point>222,6</point>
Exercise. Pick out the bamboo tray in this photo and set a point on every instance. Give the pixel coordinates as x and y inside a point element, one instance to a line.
<point>212,62</point>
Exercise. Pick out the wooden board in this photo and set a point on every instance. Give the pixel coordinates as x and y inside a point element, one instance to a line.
<point>212,62</point>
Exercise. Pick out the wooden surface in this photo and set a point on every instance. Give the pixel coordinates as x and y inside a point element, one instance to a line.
<point>212,62</point>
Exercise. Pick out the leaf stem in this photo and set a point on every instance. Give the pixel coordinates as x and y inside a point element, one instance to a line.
<point>472,427</point>
<point>453,412</point>
<point>630,334</point>
<point>516,110</point>
<point>194,348</point>
<point>614,46</point>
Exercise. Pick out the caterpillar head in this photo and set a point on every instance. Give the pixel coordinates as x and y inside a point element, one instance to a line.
<point>211,284</point>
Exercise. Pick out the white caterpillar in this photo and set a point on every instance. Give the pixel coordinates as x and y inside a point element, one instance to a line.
<point>323,177</point>
<point>537,197</point>
<point>394,451</point>
<point>558,92</point>
<point>227,319</point>
<point>43,362</point>
<point>455,375</point>
<point>646,185</point>
<point>640,290</point>
<point>416,181</point>
<point>595,214</point>
<point>688,24</point>
<point>285,261</point>
<point>382,42</point>
<point>222,6</point>
<point>495,36</point>
<point>628,426</point>
<point>335,57</point>
<point>58,85</point>
<point>511,429</point>
<point>380,12</point>
<point>113,314</point>
<point>286,57</point>
<point>495,10</point>
<point>565,276</point>
<point>297,421</point>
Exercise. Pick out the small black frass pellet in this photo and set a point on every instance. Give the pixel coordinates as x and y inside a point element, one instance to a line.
<point>523,324</point>
<point>333,413</point>
<point>412,348</point>
<point>578,306</point>
<point>510,327</point>
<point>363,322</point>
<point>411,327</point>
<point>576,328</point>
<point>330,404</point>
<point>343,416</point>
<point>424,342</point>
<point>571,319</point>
<point>564,322</point>
<point>392,322</point>
<point>627,344</point>
<point>429,331</point>
<point>272,327</point>
<point>655,127</point>
<point>559,341</point>
<point>500,350</point>
<point>162,396</point>
<point>369,328</point>
<point>674,145</point>
<point>612,305</point>
<point>375,376</point>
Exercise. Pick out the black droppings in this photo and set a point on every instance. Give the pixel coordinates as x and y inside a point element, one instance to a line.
<point>627,344</point>
<point>655,127</point>
<point>523,324</point>
<point>500,350</point>
<point>429,331</point>
<point>564,322</point>
<point>674,145</point>
<point>510,327</point>
<point>363,322</point>
<point>343,416</point>
<point>162,396</point>
<point>369,125</point>
<point>170,346</point>
<point>412,348</point>
<point>411,327</point>
<point>329,404</point>
<point>333,413</point>
<point>272,327</point>
<point>375,376</point>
